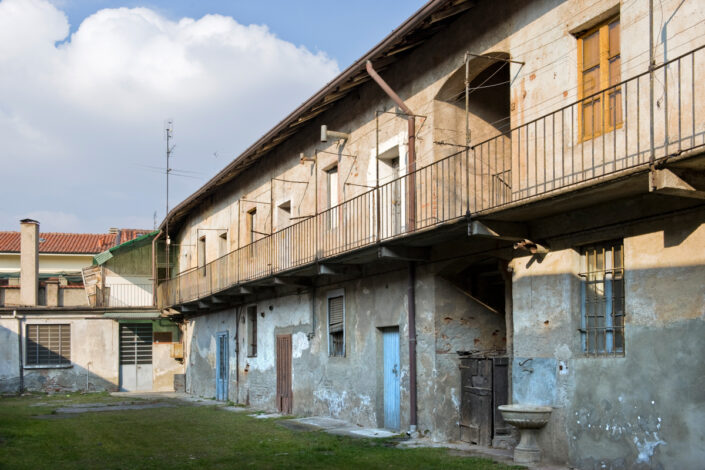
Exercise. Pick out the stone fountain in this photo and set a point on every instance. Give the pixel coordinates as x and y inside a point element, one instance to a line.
<point>529,419</point>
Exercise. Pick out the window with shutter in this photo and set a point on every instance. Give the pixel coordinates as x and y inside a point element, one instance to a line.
<point>48,345</point>
<point>336,325</point>
<point>599,69</point>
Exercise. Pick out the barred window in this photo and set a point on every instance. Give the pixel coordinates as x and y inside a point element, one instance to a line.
<point>336,324</point>
<point>602,292</point>
<point>48,345</point>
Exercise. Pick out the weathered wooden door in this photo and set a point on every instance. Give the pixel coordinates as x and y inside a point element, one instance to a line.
<point>135,357</point>
<point>221,367</point>
<point>390,339</point>
<point>484,387</point>
<point>284,389</point>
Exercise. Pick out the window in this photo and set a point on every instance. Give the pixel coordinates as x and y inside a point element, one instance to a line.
<point>332,188</point>
<point>202,253</point>
<point>223,244</point>
<point>252,330</point>
<point>602,298</point>
<point>336,323</point>
<point>48,345</point>
<point>251,226</point>
<point>599,68</point>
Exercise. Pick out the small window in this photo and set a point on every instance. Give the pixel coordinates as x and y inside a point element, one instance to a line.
<point>223,244</point>
<point>251,226</point>
<point>336,324</point>
<point>602,298</point>
<point>252,330</point>
<point>48,345</point>
<point>599,68</point>
<point>202,251</point>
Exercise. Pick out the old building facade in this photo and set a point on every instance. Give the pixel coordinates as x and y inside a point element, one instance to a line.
<point>499,202</point>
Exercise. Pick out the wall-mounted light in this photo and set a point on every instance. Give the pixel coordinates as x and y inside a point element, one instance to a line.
<point>325,134</point>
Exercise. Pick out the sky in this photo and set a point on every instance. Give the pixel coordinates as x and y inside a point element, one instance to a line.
<point>87,86</point>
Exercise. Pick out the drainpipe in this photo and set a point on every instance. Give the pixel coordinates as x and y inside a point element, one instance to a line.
<point>411,295</point>
<point>19,348</point>
<point>154,268</point>
<point>411,118</point>
<point>411,292</point>
<point>237,353</point>
<point>652,62</point>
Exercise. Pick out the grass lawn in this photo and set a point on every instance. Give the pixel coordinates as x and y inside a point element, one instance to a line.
<point>187,437</point>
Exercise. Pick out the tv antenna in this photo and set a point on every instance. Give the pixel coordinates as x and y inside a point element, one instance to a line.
<point>169,128</point>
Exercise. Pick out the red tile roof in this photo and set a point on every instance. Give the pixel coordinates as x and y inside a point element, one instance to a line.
<point>76,243</point>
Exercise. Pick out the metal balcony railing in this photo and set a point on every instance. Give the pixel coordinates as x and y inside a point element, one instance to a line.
<point>618,129</point>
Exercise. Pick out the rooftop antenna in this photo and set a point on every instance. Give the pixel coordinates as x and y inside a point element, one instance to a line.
<point>154,227</point>
<point>169,128</point>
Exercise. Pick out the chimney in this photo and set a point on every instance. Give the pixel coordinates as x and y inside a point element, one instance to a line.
<point>29,262</point>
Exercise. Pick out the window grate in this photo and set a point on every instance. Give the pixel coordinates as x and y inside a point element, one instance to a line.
<point>602,295</point>
<point>48,345</point>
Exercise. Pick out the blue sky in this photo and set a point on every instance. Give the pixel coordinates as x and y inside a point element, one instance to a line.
<point>344,30</point>
<point>86,86</point>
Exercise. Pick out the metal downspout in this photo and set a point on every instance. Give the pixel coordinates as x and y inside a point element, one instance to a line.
<point>411,291</point>
<point>154,269</point>
<point>19,347</point>
<point>411,295</point>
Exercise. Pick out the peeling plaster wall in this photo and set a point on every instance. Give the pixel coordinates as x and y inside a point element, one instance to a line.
<point>641,410</point>
<point>94,356</point>
<point>351,387</point>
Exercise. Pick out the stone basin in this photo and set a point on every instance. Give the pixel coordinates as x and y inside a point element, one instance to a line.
<point>526,416</point>
<point>529,419</point>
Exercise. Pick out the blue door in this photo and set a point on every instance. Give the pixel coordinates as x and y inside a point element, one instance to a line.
<point>221,367</point>
<point>390,339</point>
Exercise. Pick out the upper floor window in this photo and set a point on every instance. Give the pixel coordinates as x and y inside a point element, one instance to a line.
<point>251,226</point>
<point>332,196</point>
<point>602,299</point>
<point>201,251</point>
<point>599,69</point>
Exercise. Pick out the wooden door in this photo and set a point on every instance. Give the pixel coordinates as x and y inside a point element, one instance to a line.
<point>476,401</point>
<point>284,389</point>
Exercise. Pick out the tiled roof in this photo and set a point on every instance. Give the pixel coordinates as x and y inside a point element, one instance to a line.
<point>78,243</point>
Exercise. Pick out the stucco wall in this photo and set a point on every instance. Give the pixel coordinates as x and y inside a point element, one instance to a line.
<point>642,409</point>
<point>94,356</point>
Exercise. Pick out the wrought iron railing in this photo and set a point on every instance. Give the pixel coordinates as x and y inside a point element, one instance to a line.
<point>618,129</point>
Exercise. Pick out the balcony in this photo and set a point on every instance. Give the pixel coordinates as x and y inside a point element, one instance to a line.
<point>572,149</point>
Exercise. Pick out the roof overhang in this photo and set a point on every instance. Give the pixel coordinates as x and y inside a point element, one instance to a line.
<point>422,25</point>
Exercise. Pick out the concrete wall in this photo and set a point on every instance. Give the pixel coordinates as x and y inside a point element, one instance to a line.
<point>94,356</point>
<point>643,409</point>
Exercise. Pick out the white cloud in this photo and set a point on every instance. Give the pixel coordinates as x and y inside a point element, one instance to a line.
<point>81,116</point>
